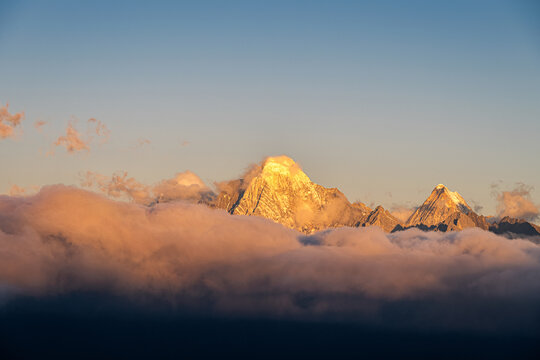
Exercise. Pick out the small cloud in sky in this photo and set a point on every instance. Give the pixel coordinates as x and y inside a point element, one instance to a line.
<point>516,203</point>
<point>476,206</point>
<point>75,142</point>
<point>100,129</point>
<point>8,122</point>
<point>185,143</point>
<point>38,125</point>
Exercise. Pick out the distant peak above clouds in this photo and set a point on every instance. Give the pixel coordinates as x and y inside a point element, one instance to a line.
<point>445,210</point>
<point>438,206</point>
<point>278,189</point>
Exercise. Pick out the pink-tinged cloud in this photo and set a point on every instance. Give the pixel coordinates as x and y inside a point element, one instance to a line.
<point>517,203</point>
<point>16,190</point>
<point>65,240</point>
<point>75,142</point>
<point>118,186</point>
<point>100,129</point>
<point>8,122</point>
<point>39,125</point>
<point>183,186</point>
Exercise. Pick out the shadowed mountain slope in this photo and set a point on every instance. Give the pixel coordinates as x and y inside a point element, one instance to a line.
<point>516,226</point>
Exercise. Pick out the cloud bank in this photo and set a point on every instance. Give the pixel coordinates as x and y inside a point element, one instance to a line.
<point>8,122</point>
<point>65,240</point>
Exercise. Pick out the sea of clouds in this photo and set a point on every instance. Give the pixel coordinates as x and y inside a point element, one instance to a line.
<point>197,259</point>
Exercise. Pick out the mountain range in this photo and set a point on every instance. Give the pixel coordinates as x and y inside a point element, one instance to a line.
<point>279,190</point>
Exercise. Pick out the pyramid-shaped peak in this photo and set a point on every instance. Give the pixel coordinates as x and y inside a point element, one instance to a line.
<point>441,192</point>
<point>438,206</point>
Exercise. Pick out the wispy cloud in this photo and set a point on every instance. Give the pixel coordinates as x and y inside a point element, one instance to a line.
<point>75,142</point>
<point>516,203</point>
<point>118,186</point>
<point>402,212</point>
<point>39,125</point>
<point>183,186</point>
<point>100,129</point>
<point>8,122</point>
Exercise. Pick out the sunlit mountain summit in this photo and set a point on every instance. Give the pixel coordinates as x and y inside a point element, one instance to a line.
<point>279,190</point>
<point>445,210</point>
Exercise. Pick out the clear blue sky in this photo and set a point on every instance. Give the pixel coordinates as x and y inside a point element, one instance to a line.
<point>382,99</point>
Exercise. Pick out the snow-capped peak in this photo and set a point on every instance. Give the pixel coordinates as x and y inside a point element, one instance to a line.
<point>284,166</point>
<point>454,196</point>
<point>438,206</point>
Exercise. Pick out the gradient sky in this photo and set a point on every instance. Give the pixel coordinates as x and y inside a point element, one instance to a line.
<point>383,100</point>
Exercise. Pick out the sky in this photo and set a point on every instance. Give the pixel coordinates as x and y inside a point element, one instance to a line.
<point>383,100</point>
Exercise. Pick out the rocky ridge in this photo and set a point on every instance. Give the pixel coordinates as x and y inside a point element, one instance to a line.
<point>279,190</point>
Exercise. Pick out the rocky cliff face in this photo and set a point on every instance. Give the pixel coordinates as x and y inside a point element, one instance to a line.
<point>279,190</point>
